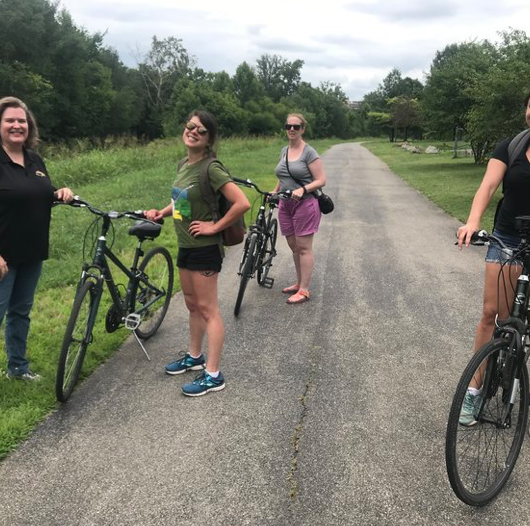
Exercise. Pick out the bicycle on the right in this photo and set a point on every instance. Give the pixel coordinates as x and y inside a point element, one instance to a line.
<point>485,432</point>
<point>260,244</point>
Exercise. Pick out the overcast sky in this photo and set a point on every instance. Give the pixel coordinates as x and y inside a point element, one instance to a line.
<point>351,42</point>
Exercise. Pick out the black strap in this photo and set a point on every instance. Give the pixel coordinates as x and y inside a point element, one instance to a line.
<point>316,192</point>
<point>517,145</point>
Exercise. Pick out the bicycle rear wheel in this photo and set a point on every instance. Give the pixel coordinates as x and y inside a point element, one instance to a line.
<point>248,261</point>
<point>268,252</point>
<point>481,457</point>
<point>77,337</point>
<point>154,291</point>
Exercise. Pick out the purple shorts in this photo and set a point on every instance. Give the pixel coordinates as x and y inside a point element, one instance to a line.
<point>299,218</point>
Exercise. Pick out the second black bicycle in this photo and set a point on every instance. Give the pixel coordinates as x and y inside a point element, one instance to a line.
<point>260,245</point>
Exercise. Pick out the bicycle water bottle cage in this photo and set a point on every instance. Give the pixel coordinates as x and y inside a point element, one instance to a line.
<point>145,230</point>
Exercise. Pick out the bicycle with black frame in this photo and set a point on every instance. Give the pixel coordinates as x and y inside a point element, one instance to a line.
<point>483,441</point>
<point>141,307</point>
<point>260,244</point>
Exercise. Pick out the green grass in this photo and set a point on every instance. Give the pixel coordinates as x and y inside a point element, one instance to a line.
<point>117,179</point>
<point>447,182</point>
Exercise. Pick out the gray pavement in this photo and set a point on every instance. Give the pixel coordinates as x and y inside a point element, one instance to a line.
<point>334,411</point>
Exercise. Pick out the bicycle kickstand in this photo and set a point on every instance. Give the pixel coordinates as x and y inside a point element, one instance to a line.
<point>132,321</point>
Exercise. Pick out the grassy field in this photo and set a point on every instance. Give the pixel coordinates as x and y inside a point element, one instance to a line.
<point>120,179</point>
<point>449,183</point>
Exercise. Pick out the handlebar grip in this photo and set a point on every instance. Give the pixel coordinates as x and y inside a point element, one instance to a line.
<point>479,238</point>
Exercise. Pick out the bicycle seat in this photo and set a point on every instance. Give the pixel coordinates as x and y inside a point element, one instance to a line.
<point>145,230</point>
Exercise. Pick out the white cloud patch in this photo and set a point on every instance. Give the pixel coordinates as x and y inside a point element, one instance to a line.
<point>352,42</point>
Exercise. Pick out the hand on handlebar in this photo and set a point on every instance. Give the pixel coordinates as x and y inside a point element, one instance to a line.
<point>464,234</point>
<point>64,195</point>
<point>153,215</point>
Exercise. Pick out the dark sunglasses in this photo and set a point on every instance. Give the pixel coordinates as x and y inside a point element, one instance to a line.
<point>201,130</point>
<point>295,127</point>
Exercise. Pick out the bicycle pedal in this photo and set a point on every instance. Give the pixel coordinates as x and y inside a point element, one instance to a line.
<point>132,321</point>
<point>268,283</point>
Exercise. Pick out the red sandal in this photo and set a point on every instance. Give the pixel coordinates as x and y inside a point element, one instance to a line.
<point>291,289</point>
<point>300,297</point>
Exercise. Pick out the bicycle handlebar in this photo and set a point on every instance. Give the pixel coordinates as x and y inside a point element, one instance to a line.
<point>249,184</point>
<point>111,214</point>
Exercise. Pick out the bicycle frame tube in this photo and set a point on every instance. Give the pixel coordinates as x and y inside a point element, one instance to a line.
<point>100,262</point>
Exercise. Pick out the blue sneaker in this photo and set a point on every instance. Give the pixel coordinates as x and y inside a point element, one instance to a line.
<point>187,363</point>
<point>203,384</point>
<point>470,407</point>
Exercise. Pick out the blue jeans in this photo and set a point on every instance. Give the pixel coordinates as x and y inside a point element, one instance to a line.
<point>17,291</point>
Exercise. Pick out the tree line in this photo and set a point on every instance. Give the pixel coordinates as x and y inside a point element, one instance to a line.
<point>78,87</point>
<point>475,89</point>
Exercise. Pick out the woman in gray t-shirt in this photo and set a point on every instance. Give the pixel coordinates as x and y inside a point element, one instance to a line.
<point>299,170</point>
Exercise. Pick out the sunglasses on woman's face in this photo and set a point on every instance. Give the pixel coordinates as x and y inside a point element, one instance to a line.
<point>201,130</point>
<point>295,127</point>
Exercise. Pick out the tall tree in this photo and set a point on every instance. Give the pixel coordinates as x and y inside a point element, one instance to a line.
<point>162,67</point>
<point>447,95</point>
<point>497,111</point>
<point>246,84</point>
<point>278,76</point>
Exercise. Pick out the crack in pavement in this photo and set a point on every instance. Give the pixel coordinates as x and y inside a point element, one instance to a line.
<point>298,430</point>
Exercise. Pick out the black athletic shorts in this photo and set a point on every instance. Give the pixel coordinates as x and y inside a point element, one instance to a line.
<point>200,258</point>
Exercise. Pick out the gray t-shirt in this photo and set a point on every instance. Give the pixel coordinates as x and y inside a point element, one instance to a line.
<point>299,169</point>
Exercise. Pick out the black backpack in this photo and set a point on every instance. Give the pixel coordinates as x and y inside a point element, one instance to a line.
<point>516,146</point>
<point>218,203</point>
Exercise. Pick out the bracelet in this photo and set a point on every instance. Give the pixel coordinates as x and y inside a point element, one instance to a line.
<point>305,190</point>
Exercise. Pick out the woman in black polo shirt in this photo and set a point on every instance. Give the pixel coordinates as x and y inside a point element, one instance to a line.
<point>26,197</point>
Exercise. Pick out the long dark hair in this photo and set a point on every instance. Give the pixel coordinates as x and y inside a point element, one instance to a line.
<point>33,132</point>
<point>526,100</point>
<point>210,123</point>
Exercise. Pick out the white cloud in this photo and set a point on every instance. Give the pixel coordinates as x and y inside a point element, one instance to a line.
<point>352,42</point>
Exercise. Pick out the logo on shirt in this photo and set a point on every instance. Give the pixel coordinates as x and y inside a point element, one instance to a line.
<point>40,174</point>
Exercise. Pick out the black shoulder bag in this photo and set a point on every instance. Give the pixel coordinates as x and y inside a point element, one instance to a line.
<point>325,202</point>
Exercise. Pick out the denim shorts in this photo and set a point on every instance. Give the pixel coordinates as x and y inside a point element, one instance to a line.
<point>497,254</point>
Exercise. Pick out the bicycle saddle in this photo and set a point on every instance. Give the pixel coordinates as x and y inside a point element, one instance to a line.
<point>145,230</point>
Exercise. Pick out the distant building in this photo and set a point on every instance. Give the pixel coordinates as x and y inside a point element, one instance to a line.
<point>354,104</point>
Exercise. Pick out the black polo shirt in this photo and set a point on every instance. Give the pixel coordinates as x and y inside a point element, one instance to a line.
<point>26,197</point>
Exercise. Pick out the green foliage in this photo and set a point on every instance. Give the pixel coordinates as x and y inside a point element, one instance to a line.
<point>278,76</point>
<point>447,96</point>
<point>394,104</point>
<point>498,111</point>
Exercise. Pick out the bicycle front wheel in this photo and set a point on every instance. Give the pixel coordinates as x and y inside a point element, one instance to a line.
<point>248,262</point>
<point>76,339</point>
<point>482,448</point>
<point>153,293</point>
<point>268,252</point>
